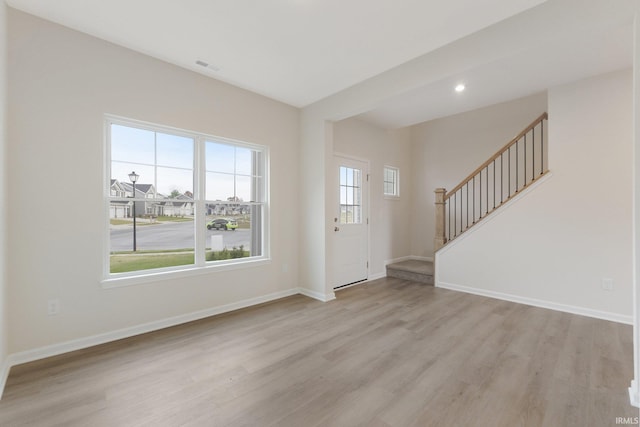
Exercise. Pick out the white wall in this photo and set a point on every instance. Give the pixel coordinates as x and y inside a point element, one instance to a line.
<point>557,243</point>
<point>634,389</point>
<point>4,321</point>
<point>314,146</point>
<point>390,233</point>
<point>62,84</point>
<point>447,150</point>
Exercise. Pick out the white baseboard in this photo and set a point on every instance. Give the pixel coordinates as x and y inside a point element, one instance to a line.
<point>604,315</point>
<point>634,398</point>
<point>394,260</point>
<point>376,276</point>
<point>81,343</point>
<point>317,295</point>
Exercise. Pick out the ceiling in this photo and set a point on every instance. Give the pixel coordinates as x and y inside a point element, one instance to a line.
<point>303,51</point>
<point>523,73</point>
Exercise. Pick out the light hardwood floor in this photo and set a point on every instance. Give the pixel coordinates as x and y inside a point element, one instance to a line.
<point>385,353</point>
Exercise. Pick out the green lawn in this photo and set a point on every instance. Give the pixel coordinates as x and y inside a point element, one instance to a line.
<point>227,254</point>
<point>126,261</point>
<point>174,219</point>
<point>150,251</point>
<point>122,263</point>
<point>145,221</point>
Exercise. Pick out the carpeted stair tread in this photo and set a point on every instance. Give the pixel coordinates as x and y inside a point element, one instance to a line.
<point>415,270</point>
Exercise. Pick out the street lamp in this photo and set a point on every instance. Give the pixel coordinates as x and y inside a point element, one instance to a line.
<point>134,178</point>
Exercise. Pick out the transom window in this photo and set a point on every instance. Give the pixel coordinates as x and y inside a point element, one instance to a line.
<point>391,181</point>
<point>178,199</point>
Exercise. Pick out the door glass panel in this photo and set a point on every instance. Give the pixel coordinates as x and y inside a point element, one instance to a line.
<point>350,195</point>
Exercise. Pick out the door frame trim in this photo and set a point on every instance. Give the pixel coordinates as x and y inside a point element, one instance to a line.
<point>367,194</point>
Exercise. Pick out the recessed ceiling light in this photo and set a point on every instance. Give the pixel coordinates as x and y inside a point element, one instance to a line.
<point>460,87</point>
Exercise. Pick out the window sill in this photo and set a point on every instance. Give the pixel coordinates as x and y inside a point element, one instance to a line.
<point>156,276</point>
<point>390,197</point>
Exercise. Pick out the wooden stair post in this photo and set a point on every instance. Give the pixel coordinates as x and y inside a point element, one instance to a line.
<point>440,238</point>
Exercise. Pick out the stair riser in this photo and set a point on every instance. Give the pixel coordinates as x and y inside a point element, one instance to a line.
<point>407,275</point>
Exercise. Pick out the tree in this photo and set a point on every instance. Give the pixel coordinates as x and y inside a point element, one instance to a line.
<point>174,194</point>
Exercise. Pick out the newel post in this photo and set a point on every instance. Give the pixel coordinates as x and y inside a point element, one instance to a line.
<point>440,238</point>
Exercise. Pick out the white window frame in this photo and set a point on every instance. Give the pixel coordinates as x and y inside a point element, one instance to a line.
<point>200,266</point>
<point>396,182</point>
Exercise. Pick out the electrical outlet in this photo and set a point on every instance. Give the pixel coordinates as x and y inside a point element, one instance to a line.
<point>53,307</point>
<point>607,284</point>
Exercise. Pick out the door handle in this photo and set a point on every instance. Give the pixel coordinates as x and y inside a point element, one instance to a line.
<point>336,229</point>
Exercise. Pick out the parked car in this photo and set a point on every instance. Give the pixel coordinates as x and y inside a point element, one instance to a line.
<point>222,224</point>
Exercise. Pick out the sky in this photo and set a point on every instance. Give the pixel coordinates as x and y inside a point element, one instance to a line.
<point>166,161</point>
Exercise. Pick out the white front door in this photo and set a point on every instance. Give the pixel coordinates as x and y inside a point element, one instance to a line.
<point>351,243</point>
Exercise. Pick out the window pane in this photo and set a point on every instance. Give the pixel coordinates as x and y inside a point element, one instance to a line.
<point>123,263</point>
<point>243,189</point>
<point>226,187</point>
<point>158,244</point>
<point>388,188</point>
<point>349,218</point>
<point>119,210</point>
<point>356,215</point>
<point>243,161</point>
<point>232,230</point>
<point>219,186</point>
<point>173,182</point>
<point>174,151</point>
<point>152,236</point>
<point>220,157</point>
<point>132,145</point>
<point>120,172</point>
<point>349,195</point>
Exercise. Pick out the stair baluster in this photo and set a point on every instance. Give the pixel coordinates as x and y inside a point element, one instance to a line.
<point>448,212</point>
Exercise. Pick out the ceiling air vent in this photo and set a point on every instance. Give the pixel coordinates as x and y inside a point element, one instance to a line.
<point>207,65</point>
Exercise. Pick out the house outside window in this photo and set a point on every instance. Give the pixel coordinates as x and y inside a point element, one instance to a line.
<point>199,201</point>
<point>391,182</point>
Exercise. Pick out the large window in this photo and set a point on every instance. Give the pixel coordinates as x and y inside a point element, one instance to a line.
<point>178,199</point>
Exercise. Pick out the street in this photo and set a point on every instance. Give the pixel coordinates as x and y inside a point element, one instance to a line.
<point>171,235</point>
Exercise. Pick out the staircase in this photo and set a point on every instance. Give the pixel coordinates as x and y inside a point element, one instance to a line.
<point>508,172</point>
<point>516,166</point>
<point>414,270</point>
